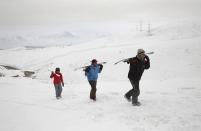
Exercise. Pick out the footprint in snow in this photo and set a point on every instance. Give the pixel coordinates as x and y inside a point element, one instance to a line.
<point>115,93</point>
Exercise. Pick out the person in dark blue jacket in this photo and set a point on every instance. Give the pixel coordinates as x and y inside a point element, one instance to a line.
<point>92,75</point>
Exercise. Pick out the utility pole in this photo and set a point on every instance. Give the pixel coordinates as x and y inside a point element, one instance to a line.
<point>140,26</point>
<point>149,29</point>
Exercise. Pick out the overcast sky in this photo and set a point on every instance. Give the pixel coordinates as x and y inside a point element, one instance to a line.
<point>29,22</point>
<point>58,12</point>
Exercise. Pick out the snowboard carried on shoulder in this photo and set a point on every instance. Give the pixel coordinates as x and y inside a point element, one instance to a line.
<point>85,67</point>
<point>123,60</point>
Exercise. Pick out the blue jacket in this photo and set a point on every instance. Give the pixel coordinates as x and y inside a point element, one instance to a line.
<point>92,75</point>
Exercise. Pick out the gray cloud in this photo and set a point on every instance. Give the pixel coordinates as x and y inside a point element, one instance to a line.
<point>53,12</point>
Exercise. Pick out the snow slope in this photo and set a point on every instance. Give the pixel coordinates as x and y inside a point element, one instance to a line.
<point>170,89</point>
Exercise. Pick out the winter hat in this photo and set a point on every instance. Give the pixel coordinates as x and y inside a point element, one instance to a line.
<point>93,61</point>
<point>57,69</point>
<point>140,51</point>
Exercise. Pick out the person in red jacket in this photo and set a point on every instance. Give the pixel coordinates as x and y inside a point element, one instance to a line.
<point>58,80</point>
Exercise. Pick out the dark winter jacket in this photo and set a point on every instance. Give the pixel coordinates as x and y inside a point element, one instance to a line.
<point>137,67</point>
<point>92,72</point>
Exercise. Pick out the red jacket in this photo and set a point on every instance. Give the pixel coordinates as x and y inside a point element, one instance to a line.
<point>57,78</point>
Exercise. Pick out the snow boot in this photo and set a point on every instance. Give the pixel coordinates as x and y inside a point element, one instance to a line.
<point>127,98</point>
<point>136,104</point>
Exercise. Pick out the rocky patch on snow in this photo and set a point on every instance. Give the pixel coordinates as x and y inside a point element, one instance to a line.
<point>12,71</point>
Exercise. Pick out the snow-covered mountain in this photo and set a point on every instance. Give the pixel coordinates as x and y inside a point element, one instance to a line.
<point>47,38</point>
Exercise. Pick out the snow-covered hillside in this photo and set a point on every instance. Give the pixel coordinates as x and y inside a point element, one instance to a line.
<point>170,89</point>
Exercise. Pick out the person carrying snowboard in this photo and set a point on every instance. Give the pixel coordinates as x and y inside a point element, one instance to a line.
<point>58,81</point>
<point>137,66</point>
<point>92,75</point>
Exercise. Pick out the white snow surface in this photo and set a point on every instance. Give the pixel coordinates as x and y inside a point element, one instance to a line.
<point>170,89</point>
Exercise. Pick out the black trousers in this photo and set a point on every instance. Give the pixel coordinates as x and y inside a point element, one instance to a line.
<point>93,89</point>
<point>135,92</point>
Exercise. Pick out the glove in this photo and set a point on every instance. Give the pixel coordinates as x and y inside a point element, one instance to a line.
<point>87,69</point>
<point>101,66</point>
<point>63,84</point>
<point>52,73</point>
<point>126,61</point>
<point>147,57</point>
